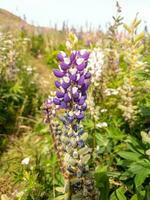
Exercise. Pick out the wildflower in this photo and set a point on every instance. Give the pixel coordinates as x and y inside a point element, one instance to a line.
<point>93,108</point>
<point>68,134</point>
<point>102,125</point>
<point>73,83</point>
<point>103,110</point>
<point>111,91</point>
<point>95,65</point>
<point>25,161</point>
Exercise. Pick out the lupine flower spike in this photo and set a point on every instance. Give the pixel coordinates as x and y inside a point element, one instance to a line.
<point>68,134</point>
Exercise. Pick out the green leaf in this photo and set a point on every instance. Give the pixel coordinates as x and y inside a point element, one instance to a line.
<point>134,197</point>
<point>115,133</point>
<point>118,194</point>
<point>141,176</point>
<point>135,168</point>
<point>147,195</point>
<point>129,155</point>
<point>102,182</point>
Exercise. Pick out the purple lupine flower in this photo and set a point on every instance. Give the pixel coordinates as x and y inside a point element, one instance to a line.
<point>58,73</point>
<point>60,94</point>
<point>71,94</point>
<point>57,84</point>
<point>56,101</point>
<point>61,56</point>
<point>74,80</point>
<point>67,98</point>
<point>65,64</point>
<point>84,54</point>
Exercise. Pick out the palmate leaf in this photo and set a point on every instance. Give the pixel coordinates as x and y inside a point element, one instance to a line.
<point>129,155</point>
<point>135,168</point>
<point>118,194</point>
<point>141,176</point>
<point>115,133</point>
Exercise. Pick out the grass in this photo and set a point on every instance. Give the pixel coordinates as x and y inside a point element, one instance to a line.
<point>27,143</point>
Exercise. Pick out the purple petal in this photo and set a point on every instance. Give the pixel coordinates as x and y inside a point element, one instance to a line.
<point>84,107</point>
<point>65,85</point>
<point>81,101</point>
<point>81,131</point>
<point>56,101</point>
<point>84,54</point>
<point>73,77</point>
<point>61,56</point>
<point>82,66</point>
<point>58,73</point>
<point>59,94</point>
<point>63,105</point>
<point>66,97</point>
<point>76,95</point>
<point>80,116</point>
<point>57,84</point>
<point>64,66</point>
<point>76,100</point>
<point>70,118</point>
<point>87,75</point>
<point>75,127</point>
<point>85,87</point>
<point>81,143</point>
<point>81,80</point>
<point>73,55</point>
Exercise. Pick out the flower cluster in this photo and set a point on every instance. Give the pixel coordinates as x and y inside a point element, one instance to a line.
<point>127,105</point>
<point>95,65</point>
<point>73,83</point>
<point>68,134</point>
<point>92,107</point>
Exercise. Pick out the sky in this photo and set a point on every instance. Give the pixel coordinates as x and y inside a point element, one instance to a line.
<point>76,12</point>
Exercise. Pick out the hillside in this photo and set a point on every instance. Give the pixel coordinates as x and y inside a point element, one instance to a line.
<point>9,21</point>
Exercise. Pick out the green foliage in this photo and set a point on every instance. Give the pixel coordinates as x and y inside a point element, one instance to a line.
<point>32,165</point>
<point>18,90</point>
<point>37,44</point>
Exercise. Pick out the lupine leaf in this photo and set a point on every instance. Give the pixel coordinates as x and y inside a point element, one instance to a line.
<point>118,194</point>
<point>141,176</point>
<point>134,197</point>
<point>129,155</point>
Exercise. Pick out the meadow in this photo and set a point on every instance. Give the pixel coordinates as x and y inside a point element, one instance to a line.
<point>74,112</point>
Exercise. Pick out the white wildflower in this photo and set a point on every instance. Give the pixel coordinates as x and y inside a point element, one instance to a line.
<point>68,45</point>
<point>25,161</point>
<point>95,65</point>
<point>102,125</point>
<point>111,91</point>
<point>103,110</point>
